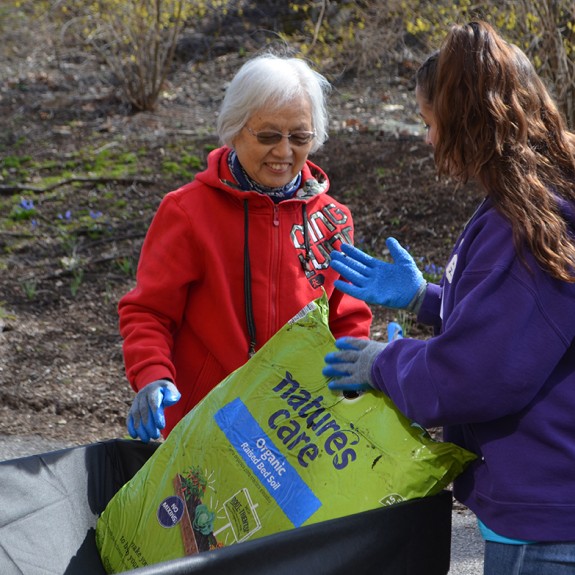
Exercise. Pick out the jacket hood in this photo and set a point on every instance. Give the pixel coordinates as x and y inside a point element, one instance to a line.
<point>218,175</point>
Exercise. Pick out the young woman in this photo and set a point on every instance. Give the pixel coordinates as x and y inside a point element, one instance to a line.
<point>233,255</point>
<point>499,372</point>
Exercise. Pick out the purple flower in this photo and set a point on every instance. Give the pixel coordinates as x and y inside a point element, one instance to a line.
<point>433,270</point>
<point>66,216</point>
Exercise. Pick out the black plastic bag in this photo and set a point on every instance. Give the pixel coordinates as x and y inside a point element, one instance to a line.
<point>49,505</point>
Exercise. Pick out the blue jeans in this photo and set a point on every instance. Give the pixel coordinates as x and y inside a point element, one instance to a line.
<point>531,559</point>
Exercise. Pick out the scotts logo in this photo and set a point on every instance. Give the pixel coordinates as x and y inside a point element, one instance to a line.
<point>304,427</point>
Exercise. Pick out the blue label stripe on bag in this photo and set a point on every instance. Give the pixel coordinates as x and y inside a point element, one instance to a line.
<point>268,464</point>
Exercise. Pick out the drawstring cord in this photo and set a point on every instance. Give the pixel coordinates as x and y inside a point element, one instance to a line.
<point>248,285</point>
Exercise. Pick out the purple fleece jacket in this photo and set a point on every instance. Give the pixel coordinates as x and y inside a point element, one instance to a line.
<point>499,375</point>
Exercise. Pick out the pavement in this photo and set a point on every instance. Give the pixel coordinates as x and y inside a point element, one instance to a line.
<point>466,545</point>
<point>466,542</point>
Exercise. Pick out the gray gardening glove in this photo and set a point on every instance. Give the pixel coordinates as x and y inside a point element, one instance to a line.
<point>350,367</point>
<point>146,416</point>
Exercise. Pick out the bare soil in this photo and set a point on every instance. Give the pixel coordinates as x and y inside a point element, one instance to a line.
<point>67,259</point>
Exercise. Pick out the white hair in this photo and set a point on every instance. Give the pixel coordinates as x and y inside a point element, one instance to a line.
<point>273,80</point>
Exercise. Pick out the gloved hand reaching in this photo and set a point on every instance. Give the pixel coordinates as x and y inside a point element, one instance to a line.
<point>351,365</point>
<point>397,285</point>
<point>146,416</point>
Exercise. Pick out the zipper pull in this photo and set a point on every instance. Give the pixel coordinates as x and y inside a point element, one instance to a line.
<point>276,216</point>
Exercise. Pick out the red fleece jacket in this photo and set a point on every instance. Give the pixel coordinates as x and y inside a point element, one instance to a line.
<point>186,318</point>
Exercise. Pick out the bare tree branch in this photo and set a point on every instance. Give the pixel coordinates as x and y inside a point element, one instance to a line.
<point>13,188</point>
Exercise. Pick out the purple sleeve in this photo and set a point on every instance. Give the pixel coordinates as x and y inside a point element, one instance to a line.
<point>431,307</point>
<point>499,345</point>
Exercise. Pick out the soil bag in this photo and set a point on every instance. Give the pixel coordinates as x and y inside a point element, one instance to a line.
<point>269,449</point>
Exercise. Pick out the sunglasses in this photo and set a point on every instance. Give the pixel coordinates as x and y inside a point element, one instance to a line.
<point>272,138</point>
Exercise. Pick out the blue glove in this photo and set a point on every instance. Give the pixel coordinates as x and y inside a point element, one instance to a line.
<point>351,365</point>
<point>394,331</point>
<point>398,285</point>
<point>146,416</point>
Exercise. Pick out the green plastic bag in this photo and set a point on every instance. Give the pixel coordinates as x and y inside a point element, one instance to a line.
<point>269,449</point>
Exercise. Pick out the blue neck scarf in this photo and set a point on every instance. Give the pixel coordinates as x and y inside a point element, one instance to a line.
<point>248,184</point>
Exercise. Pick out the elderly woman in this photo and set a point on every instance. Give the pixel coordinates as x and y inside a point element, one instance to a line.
<point>233,255</point>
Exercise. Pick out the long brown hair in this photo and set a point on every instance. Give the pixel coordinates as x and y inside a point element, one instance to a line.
<point>496,123</point>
